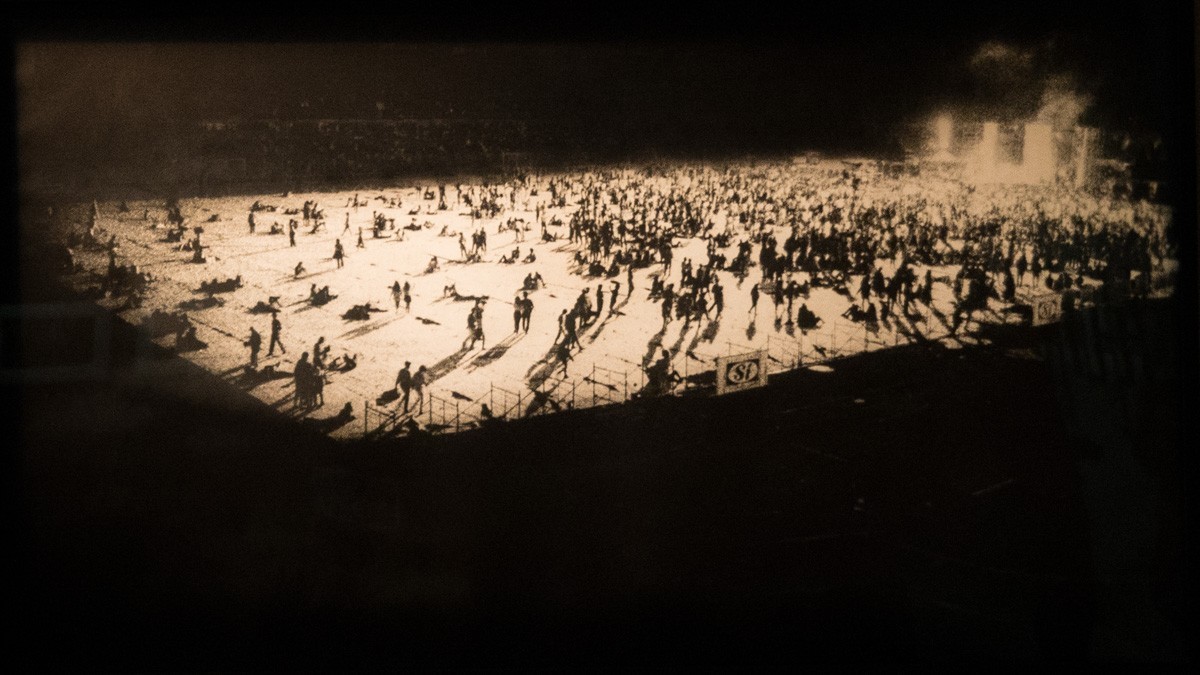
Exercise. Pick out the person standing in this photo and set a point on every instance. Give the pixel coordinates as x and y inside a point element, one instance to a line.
<point>569,322</point>
<point>397,295</point>
<point>255,344</point>
<point>338,252</point>
<point>718,292</point>
<point>320,351</point>
<point>418,385</point>
<point>629,281</point>
<point>526,311</point>
<point>276,328</point>
<point>303,377</point>
<point>518,308</point>
<point>292,232</point>
<point>599,299</point>
<point>251,219</point>
<point>754,298</point>
<point>404,382</point>
<point>479,326</point>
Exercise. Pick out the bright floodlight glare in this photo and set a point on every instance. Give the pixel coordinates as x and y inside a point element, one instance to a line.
<point>943,128</point>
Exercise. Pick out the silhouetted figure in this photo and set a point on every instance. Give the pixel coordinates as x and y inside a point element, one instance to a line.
<point>404,383</point>
<point>255,344</point>
<point>276,327</point>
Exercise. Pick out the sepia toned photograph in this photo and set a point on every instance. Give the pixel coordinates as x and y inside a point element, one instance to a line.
<point>816,336</point>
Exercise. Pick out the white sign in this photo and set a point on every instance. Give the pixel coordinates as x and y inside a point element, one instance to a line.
<point>1047,309</point>
<point>742,371</point>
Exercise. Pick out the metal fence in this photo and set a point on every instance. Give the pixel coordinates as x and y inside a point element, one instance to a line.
<point>377,421</point>
<point>605,386</point>
<point>446,415</point>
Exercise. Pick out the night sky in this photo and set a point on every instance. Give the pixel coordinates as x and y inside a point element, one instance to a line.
<point>837,78</point>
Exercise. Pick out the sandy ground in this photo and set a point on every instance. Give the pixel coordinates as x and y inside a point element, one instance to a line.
<point>505,371</point>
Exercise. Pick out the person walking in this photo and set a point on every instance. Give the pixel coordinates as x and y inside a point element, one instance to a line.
<point>569,323</point>
<point>419,380</point>
<point>562,319</point>
<point>563,352</point>
<point>276,328</point>
<point>404,384</point>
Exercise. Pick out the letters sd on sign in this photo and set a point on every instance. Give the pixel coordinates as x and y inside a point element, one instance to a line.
<point>742,371</point>
<point>1047,309</point>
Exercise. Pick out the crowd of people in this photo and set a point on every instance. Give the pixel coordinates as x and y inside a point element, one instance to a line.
<point>883,241</point>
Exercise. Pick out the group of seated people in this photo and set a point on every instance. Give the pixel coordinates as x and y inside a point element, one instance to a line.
<point>857,314</point>
<point>319,296</point>
<point>164,323</point>
<point>661,378</point>
<point>344,363</point>
<point>532,281</point>
<point>270,306</point>
<point>829,278</point>
<point>176,234</point>
<point>597,269</point>
<point>360,312</point>
<point>125,279</point>
<point>516,253</point>
<point>221,286</point>
<point>805,318</point>
<point>451,291</point>
<point>186,340</point>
